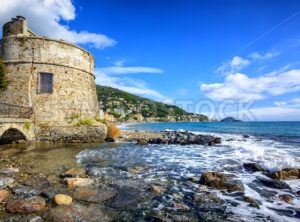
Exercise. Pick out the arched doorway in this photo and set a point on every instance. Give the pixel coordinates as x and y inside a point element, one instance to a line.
<point>12,135</point>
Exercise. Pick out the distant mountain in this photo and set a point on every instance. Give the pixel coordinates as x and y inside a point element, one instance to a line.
<point>230,119</point>
<point>126,107</point>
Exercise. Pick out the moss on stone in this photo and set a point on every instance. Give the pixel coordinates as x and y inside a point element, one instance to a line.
<point>3,76</point>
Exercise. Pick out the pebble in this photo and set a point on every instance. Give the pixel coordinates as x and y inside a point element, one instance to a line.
<point>157,189</point>
<point>74,172</point>
<point>26,205</point>
<point>61,199</point>
<point>3,195</point>
<point>79,182</point>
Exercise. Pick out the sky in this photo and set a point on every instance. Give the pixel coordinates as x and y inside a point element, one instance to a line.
<point>221,58</point>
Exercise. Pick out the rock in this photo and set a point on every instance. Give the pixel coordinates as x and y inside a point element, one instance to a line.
<point>298,193</point>
<point>110,140</point>
<point>4,194</point>
<point>253,167</point>
<point>207,199</point>
<point>286,198</point>
<point>9,171</point>
<point>157,189</point>
<point>74,172</point>
<point>180,206</point>
<point>79,182</point>
<point>246,136</point>
<point>286,174</point>
<point>252,202</point>
<point>76,212</point>
<point>276,184</point>
<point>221,181</point>
<point>93,195</point>
<point>61,199</point>
<point>27,205</point>
<point>138,169</point>
<point>25,191</point>
<point>36,219</point>
<point>142,142</point>
<point>4,182</point>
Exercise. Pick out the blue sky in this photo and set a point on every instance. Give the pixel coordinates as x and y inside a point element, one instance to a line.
<point>224,56</point>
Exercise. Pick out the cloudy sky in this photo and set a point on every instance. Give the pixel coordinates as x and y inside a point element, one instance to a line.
<point>238,58</point>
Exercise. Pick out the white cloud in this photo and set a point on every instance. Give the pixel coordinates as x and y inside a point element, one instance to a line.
<point>258,56</point>
<point>241,87</point>
<point>130,85</point>
<point>119,69</point>
<point>236,64</point>
<point>293,103</point>
<point>45,16</point>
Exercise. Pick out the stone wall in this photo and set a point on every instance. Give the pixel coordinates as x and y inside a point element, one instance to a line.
<point>74,90</point>
<point>70,134</point>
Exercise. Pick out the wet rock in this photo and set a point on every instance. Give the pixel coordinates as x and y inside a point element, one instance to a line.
<point>142,142</point>
<point>49,194</point>
<point>157,219</point>
<point>25,191</point>
<point>4,194</point>
<point>185,138</point>
<point>79,182</point>
<point>253,167</point>
<point>27,205</point>
<point>221,181</point>
<point>94,195</point>
<point>128,198</point>
<point>276,184</point>
<point>286,198</point>
<point>76,212</point>
<point>8,171</point>
<point>298,193</point>
<point>74,172</point>
<point>246,136</point>
<point>252,202</point>
<point>110,140</point>
<point>207,200</point>
<point>138,169</point>
<point>157,189</point>
<point>36,219</point>
<point>61,199</point>
<point>180,206</point>
<point>286,174</point>
<point>4,182</point>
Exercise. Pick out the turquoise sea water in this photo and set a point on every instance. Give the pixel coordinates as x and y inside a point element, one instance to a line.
<point>273,145</point>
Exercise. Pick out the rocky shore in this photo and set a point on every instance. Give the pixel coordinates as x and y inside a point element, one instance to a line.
<point>170,137</point>
<point>69,191</point>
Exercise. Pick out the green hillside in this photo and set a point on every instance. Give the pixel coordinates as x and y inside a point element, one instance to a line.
<point>128,107</point>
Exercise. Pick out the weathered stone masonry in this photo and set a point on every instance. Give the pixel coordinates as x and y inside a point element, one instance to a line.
<point>27,56</point>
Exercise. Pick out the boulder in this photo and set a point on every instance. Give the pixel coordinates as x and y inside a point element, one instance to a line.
<point>252,202</point>
<point>26,205</point>
<point>74,172</point>
<point>221,181</point>
<point>93,195</point>
<point>180,206</point>
<point>253,167</point>
<point>4,194</point>
<point>61,199</point>
<point>286,198</point>
<point>157,189</point>
<point>276,184</point>
<point>286,174</point>
<point>79,182</point>
<point>138,169</point>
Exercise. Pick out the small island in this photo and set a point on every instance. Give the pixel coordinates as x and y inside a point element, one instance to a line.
<point>230,119</point>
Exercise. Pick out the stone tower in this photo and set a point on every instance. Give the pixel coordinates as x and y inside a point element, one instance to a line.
<point>53,77</point>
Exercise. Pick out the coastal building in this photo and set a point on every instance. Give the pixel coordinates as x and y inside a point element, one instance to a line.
<point>54,78</point>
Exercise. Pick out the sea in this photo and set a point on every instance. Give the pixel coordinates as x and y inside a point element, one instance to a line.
<point>273,145</point>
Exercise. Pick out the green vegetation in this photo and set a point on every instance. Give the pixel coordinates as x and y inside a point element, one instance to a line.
<point>85,122</point>
<point>3,77</point>
<point>127,107</point>
<point>27,125</point>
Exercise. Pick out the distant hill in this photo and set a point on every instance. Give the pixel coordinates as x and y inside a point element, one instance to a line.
<point>127,107</point>
<point>230,119</point>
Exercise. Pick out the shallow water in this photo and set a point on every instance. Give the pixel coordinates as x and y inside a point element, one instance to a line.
<point>172,165</point>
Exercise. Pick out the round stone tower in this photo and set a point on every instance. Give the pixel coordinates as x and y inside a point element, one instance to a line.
<point>53,77</point>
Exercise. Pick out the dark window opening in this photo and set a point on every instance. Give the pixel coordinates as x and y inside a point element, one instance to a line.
<point>46,82</point>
